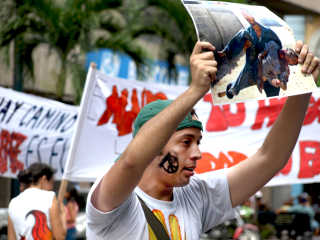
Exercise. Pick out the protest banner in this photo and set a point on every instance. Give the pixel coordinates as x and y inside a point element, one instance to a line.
<point>37,129</point>
<point>33,129</point>
<point>231,132</point>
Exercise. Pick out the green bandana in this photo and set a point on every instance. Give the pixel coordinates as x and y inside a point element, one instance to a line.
<point>153,108</point>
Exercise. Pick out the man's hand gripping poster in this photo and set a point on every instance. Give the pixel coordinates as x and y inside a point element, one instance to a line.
<point>254,51</point>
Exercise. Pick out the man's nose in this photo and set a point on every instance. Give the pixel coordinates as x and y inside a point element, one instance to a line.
<point>196,153</point>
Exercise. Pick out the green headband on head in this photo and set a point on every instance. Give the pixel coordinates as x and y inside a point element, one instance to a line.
<point>153,108</point>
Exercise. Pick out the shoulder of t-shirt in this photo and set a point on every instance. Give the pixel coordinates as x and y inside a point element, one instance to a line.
<point>200,181</point>
<point>49,194</point>
<point>12,202</point>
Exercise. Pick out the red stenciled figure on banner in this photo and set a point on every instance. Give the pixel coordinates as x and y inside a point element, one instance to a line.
<point>148,97</point>
<point>112,103</point>
<point>116,107</point>
<point>125,126</point>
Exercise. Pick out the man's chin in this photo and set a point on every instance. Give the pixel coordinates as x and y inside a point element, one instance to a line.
<point>183,183</point>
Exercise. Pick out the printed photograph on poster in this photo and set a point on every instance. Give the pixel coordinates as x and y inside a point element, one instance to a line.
<point>254,51</point>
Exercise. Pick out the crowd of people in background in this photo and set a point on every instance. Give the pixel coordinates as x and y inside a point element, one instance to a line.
<point>297,216</point>
<point>36,212</point>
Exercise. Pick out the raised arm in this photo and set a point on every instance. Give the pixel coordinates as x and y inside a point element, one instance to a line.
<point>126,173</point>
<point>57,219</point>
<point>249,176</point>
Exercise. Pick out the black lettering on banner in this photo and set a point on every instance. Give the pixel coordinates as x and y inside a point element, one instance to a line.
<point>47,117</point>
<point>2,101</point>
<point>69,123</point>
<point>61,119</point>
<point>170,163</point>
<point>29,149</point>
<point>17,106</point>
<point>4,110</point>
<point>54,152</point>
<point>39,151</point>
<point>52,122</point>
<point>22,123</point>
<point>35,117</point>
<point>45,139</point>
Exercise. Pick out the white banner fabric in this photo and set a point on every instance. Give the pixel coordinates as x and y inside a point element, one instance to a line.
<point>231,132</point>
<point>33,129</point>
<point>37,129</point>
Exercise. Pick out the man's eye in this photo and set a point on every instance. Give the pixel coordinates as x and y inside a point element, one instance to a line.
<point>187,142</point>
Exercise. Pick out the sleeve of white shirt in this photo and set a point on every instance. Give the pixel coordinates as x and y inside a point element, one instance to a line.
<point>101,224</point>
<point>215,193</point>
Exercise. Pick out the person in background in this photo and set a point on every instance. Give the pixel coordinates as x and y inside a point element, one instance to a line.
<point>286,206</point>
<point>266,221</point>
<point>304,206</point>
<point>35,213</point>
<point>24,178</point>
<point>247,211</point>
<point>71,210</point>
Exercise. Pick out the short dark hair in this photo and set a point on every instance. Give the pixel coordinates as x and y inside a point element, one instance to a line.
<point>38,170</point>
<point>73,194</point>
<point>24,176</point>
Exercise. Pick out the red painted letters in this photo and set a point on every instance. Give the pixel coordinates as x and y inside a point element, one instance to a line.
<point>309,159</point>
<point>287,168</point>
<point>9,150</point>
<point>268,111</point>
<point>313,112</point>
<point>209,162</point>
<point>221,117</point>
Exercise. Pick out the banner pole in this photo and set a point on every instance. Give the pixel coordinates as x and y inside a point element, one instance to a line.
<point>76,134</point>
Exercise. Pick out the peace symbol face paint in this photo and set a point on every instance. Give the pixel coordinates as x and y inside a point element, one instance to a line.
<point>170,163</point>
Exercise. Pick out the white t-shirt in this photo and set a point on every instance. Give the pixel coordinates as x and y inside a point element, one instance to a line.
<point>29,211</point>
<point>196,208</point>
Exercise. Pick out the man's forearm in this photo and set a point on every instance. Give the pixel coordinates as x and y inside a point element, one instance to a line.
<point>283,136</point>
<point>250,175</point>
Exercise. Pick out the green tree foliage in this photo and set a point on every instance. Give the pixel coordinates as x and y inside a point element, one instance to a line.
<point>170,22</point>
<point>68,27</point>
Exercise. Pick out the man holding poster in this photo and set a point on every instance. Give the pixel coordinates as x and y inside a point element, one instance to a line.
<point>156,169</point>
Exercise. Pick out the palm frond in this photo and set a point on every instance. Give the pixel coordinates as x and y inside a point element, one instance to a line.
<point>70,28</point>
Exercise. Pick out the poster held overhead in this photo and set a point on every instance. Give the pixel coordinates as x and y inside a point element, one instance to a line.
<point>254,51</point>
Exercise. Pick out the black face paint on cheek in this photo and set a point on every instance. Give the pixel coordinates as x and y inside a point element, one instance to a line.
<point>170,164</point>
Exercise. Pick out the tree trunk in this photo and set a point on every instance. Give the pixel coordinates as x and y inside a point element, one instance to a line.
<point>61,81</point>
<point>17,67</point>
